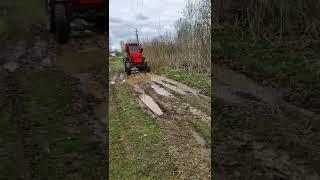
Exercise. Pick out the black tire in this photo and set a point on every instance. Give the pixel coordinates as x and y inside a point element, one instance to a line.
<point>141,68</point>
<point>61,23</point>
<point>146,67</point>
<point>125,67</point>
<point>51,19</point>
<point>128,66</point>
<point>124,64</point>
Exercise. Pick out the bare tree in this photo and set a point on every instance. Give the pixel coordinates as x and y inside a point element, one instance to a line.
<point>189,47</point>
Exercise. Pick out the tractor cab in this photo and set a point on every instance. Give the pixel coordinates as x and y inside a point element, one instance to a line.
<point>133,58</point>
<point>134,52</point>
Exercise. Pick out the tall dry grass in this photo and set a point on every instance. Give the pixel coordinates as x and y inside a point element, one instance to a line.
<point>273,19</point>
<point>188,47</point>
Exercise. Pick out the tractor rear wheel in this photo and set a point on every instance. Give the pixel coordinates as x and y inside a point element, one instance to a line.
<point>146,67</point>
<point>61,23</point>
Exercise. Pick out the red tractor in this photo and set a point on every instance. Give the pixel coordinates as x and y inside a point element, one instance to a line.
<point>62,12</point>
<point>133,58</point>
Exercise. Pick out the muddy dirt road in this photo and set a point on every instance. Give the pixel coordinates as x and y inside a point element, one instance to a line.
<point>260,135</point>
<point>183,116</point>
<point>53,108</point>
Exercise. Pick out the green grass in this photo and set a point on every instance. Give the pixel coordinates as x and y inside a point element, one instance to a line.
<point>64,146</point>
<point>201,82</point>
<point>297,70</point>
<point>115,65</point>
<point>136,150</point>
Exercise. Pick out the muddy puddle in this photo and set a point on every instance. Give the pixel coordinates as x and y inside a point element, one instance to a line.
<point>168,83</point>
<point>237,88</point>
<point>72,61</point>
<point>234,82</point>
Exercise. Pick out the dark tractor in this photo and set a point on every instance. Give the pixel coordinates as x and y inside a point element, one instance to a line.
<point>133,58</point>
<point>62,12</point>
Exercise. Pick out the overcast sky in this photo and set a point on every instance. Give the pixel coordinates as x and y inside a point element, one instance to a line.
<point>126,15</point>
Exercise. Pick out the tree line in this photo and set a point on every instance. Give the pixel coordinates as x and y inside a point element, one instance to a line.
<point>189,46</point>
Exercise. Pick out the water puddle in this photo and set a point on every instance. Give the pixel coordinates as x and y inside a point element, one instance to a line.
<point>229,83</point>
<point>72,61</point>
<point>140,78</point>
<point>198,138</point>
<point>160,90</point>
<point>148,101</point>
<point>238,82</point>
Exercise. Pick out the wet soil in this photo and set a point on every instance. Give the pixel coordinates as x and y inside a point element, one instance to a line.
<point>80,66</point>
<point>258,134</point>
<point>165,101</point>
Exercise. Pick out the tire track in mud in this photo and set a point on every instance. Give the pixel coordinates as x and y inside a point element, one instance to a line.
<point>24,56</point>
<point>256,121</point>
<point>189,150</point>
<point>39,52</point>
<point>82,60</point>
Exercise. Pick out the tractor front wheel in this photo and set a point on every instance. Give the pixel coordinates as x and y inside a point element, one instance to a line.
<point>128,67</point>
<point>125,64</point>
<point>61,23</point>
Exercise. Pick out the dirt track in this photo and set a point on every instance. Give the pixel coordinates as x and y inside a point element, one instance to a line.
<point>55,89</point>
<point>260,135</point>
<point>179,111</point>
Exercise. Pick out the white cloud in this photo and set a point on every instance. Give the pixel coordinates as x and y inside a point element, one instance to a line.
<point>146,15</point>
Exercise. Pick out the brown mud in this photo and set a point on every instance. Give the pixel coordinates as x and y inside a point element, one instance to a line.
<point>260,135</point>
<point>165,101</point>
<point>80,66</point>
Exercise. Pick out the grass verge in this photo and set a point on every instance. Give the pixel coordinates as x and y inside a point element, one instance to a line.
<point>115,65</point>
